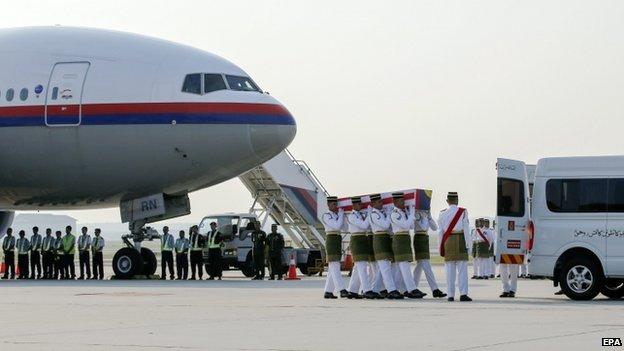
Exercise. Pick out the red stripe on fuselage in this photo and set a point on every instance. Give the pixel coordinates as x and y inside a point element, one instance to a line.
<point>151,108</point>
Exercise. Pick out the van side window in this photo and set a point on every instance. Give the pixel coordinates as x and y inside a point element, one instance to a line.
<point>213,82</point>
<point>192,84</point>
<point>616,195</point>
<point>510,198</point>
<point>576,195</point>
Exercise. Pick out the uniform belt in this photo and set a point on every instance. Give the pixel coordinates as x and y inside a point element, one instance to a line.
<point>332,233</point>
<point>457,232</point>
<point>381,233</point>
<point>401,233</point>
<point>358,234</point>
<point>420,232</point>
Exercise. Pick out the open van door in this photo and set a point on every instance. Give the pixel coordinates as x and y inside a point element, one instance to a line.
<point>512,212</point>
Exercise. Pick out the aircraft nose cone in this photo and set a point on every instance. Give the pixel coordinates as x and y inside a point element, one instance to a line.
<point>268,140</point>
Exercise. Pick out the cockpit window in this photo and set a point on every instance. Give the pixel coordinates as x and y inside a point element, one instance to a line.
<point>241,83</point>
<point>192,84</point>
<point>213,82</point>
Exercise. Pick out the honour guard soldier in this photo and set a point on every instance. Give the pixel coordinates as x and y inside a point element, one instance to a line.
<point>59,260</point>
<point>35,253</point>
<point>402,220</point>
<point>491,260</point>
<point>197,252</point>
<point>382,245</point>
<point>69,250</point>
<point>275,242</point>
<point>476,265</point>
<point>84,245</point>
<point>258,237</point>
<point>333,221</point>
<point>423,223</point>
<point>166,253</point>
<point>23,247</point>
<point>215,258</point>
<point>360,251</point>
<point>454,238</point>
<point>8,248</point>
<point>97,246</point>
<point>47,253</point>
<point>182,248</point>
<point>484,240</point>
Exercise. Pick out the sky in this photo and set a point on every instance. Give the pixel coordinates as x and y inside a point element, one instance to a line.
<point>398,94</point>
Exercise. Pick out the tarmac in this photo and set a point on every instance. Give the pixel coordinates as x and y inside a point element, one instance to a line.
<point>240,314</point>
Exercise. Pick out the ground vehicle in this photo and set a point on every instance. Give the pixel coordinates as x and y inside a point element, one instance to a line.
<point>576,225</point>
<point>237,247</point>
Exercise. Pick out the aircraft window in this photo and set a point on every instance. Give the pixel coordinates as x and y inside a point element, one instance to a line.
<point>192,84</point>
<point>213,82</point>
<point>10,94</point>
<point>241,83</point>
<point>24,94</point>
<point>54,93</point>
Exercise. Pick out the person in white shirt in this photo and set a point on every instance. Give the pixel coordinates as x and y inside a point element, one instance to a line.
<point>454,239</point>
<point>97,247</point>
<point>382,245</point>
<point>84,246</point>
<point>35,253</point>
<point>333,220</point>
<point>484,239</point>
<point>424,222</point>
<point>358,243</point>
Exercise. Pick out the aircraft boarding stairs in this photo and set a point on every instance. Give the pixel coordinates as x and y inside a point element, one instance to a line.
<point>287,190</point>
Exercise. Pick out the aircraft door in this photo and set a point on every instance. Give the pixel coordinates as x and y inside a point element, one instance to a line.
<point>64,94</point>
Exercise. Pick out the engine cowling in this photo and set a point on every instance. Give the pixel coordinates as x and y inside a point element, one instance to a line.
<point>6,219</point>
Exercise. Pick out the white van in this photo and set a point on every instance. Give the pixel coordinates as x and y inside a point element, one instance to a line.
<point>574,233</point>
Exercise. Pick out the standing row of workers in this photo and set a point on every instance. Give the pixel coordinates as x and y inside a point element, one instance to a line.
<point>382,250</point>
<point>52,257</point>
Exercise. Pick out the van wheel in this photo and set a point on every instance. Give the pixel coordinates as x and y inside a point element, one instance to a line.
<point>247,267</point>
<point>613,288</point>
<point>581,279</point>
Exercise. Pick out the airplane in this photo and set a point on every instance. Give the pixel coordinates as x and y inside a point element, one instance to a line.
<point>93,118</point>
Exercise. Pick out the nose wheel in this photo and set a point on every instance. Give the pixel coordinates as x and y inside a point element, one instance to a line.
<point>134,260</point>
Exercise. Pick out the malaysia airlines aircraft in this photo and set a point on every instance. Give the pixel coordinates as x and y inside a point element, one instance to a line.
<point>96,118</point>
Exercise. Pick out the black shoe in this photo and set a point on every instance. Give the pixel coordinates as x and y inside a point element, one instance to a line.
<point>486,278</point>
<point>450,299</point>
<point>279,278</point>
<point>560,292</point>
<point>272,278</point>
<point>343,293</point>
<point>492,276</point>
<point>192,278</point>
<point>414,294</point>
<point>370,295</point>
<point>479,278</point>
<point>465,298</point>
<point>383,294</point>
<point>211,278</point>
<point>512,294</point>
<point>504,294</point>
<point>473,277</point>
<point>422,294</point>
<point>353,295</point>
<point>94,278</point>
<point>437,293</point>
<point>395,295</point>
<point>329,295</point>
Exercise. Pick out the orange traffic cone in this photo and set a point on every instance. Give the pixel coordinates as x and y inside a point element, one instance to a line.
<point>292,269</point>
<point>2,268</point>
<point>348,262</point>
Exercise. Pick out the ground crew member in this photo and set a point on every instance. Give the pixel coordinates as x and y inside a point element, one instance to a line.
<point>214,241</point>
<point>401,221</point>
<point>333,221</point>
<point>476,261</point>
<point>59,259</point>
<point>8,248</point>
<point>23,248</point>
<point>358,225</point>
<point>35,253</point>
<point>484,240</point>
<point>382,245</point>
<point>275,243</point>
<point>491,260</point>
<point>423,223</point>
<point>198,242</point>
<point>97,248</point>
<point>84,245</point>
<point>454,239</point>
<point>182,248</point>
<point>69,250</point>
<point>258,237</point>
<point>47,253</point>
<point>166,253</point>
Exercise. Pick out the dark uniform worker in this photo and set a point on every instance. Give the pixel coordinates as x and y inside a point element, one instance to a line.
<point>166,253</point>
<point>258,237</point>
<point>35,253</point>
<point>275,241</point>
<point>59,260</point>
<point>47,254</point>
<point>197,252</point>
<point>23,247</point>
<point>214,239</point>
<point>182,248</point>
<point>8,248</point>
<point>97,246</point>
